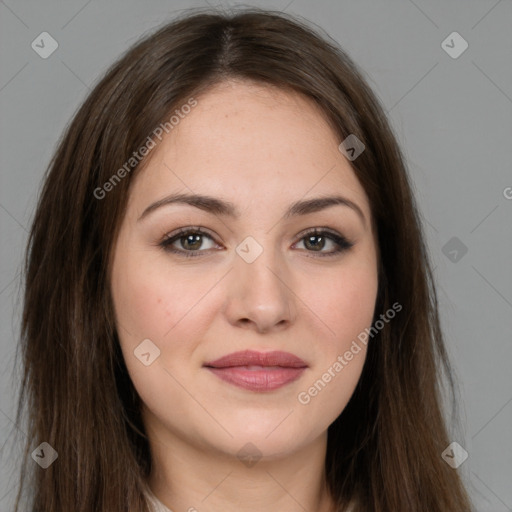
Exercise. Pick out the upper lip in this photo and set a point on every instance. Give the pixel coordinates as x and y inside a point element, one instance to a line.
<point>253,358</point>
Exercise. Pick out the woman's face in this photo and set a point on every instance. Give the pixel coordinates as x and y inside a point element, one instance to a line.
<point>255,280</point>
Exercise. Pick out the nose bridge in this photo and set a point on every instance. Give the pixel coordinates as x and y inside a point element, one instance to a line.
<point>258,265</point>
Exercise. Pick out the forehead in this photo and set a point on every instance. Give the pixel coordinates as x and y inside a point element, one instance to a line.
<point>252,142</point>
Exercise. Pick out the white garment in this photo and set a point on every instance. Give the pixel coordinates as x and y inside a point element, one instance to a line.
<point>155,503</point>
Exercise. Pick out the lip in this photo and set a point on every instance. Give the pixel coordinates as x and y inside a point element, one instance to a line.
<point>258,371</point>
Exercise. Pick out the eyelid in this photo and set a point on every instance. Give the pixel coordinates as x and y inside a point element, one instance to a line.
<point>189,229</point>
<point>318,230</point>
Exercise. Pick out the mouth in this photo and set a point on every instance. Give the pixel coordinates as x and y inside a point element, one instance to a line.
<point>258,371</point>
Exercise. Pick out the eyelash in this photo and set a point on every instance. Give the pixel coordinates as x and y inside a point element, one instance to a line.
<point>166,244</point>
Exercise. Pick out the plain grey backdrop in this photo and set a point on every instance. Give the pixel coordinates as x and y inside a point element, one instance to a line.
<point>450,106</point>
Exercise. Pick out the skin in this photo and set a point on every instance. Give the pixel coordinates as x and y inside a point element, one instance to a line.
<point>262,149</point>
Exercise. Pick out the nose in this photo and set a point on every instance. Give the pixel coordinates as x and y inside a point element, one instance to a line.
<point>260,295</point>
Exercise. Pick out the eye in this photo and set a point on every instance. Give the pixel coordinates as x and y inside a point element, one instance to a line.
<point>191,241</point>
<point>317,238</point>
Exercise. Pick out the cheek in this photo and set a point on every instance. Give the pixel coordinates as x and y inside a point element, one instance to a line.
<point>139,303</point>
<point>341,356</point>
<point>149,299</point>
<point>147,307</point>
<point>156,302</point>
<point>344,304</point>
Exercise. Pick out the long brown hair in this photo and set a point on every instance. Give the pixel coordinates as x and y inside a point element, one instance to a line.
<point>384,450</point>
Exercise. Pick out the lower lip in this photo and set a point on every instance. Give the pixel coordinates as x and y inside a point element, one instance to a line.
<point>266,379</point>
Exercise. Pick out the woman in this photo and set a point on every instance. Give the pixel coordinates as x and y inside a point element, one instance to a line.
<point>228,298</point>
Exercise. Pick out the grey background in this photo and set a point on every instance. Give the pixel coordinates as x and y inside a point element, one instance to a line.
<point>453,118</point>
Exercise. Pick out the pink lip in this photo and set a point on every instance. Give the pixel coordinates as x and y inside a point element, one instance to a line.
<point>276,369</point>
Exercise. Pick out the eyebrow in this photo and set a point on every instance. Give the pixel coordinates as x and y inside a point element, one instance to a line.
<point>225,208</point>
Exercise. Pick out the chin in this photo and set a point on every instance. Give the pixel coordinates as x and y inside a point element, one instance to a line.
<point>270,434</point>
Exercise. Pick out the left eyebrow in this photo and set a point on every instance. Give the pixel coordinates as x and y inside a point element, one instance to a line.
<point>225,208</point>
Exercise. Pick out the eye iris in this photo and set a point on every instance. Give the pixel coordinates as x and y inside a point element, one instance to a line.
<point>192,239</point>
<point>315,246</point>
